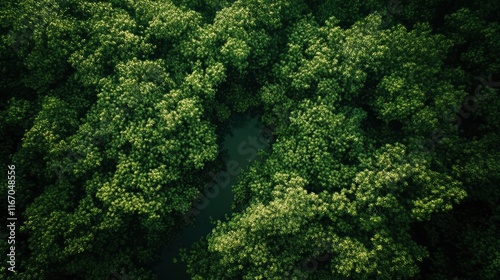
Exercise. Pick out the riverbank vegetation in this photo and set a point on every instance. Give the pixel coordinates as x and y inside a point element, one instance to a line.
<point>384,161</point>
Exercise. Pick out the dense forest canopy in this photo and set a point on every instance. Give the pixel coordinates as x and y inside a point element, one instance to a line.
<point>384,161</point>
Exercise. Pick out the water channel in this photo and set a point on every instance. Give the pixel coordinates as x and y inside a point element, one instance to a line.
<point>240,144</point>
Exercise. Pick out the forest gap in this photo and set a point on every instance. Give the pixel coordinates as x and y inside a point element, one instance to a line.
<point>241,138</point>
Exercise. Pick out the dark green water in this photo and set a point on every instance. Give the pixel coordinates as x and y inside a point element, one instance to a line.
<point>240,146</point>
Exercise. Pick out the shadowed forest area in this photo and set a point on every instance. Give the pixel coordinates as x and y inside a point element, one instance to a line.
<point>379,157</point>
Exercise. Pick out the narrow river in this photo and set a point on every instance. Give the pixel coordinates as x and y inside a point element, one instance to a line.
<point>240,144</point>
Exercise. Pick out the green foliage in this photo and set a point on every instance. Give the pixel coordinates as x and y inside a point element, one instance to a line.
<point>384,158</point>
<point>470,29</point>
<point>347,12</point>
<point>372,195</point>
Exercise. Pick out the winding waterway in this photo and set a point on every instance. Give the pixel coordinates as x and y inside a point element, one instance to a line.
<point>240,146</point>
